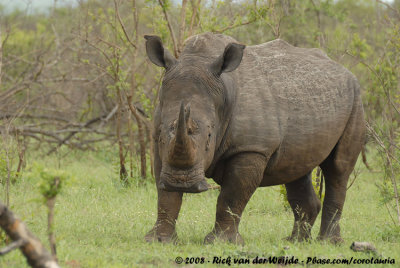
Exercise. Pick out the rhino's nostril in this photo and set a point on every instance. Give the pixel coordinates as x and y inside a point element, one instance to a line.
<point>202,186</point>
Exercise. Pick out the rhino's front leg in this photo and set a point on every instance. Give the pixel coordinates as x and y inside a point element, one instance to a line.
<point>242,176</point>
<point>169,204</point>
<point>168,207</point>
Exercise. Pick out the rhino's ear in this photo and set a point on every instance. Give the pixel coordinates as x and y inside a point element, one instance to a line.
<point>156,52</point>
<point>229,60</point>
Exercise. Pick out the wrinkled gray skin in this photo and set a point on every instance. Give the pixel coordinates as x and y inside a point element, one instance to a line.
<point>252,117</point>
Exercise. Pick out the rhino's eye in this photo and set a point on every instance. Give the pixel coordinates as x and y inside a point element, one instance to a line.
<point>172,126</point>
<point>193,128</point>
<point>191,131</point>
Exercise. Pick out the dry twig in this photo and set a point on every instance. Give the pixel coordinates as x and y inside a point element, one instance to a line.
<point>33,250</point>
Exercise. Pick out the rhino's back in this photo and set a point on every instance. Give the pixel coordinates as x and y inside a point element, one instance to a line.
<point>293,102</point>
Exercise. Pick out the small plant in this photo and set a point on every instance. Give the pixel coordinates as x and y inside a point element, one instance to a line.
<point>51,183</point>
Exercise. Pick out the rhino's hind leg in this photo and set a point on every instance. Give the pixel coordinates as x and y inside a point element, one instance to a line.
<point>169,204</point>
<point>243,174</point>
<point>337,169</point>
<point>305,205</point>
<point>335,194</point>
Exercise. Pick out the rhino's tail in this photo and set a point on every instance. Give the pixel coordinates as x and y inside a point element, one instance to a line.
<point>364,158</point>
<point>320,175</point>
<point>321,186</point>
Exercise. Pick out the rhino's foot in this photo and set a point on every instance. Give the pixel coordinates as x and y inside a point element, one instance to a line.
<point>301,233</point>
<point>297,238</point>
<point>158,235</point>
<point>334,239</point>
<point>234,238</point>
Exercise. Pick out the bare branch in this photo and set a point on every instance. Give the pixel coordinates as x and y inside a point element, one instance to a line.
<point>136,21</point>
<point>389,7</point>
<point>122,24</point>
<point>389,156</point>
<point>48,117</point>
<point>2,43</point>
<point>182,26</point>
<point>33,250</point>
<point>13,245</point>
<point>1,57</point>
<point>66,139</point>
<point>195,7</point>
<point>171,30</point>
<point>232,26</point>
<point>379,78</point>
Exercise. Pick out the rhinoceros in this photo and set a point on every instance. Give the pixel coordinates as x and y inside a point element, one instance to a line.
<point>251,117</point>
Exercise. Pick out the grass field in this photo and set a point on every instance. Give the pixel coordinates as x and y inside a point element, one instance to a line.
<point>100,223</point>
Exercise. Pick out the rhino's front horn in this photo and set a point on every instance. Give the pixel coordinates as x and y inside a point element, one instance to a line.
<point>182,151</point>
<point>182,138</point>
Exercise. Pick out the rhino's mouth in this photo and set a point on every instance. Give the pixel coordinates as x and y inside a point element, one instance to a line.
<point>190,180</point>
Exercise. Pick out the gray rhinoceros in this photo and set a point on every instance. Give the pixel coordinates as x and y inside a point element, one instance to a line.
<point>251,117</point>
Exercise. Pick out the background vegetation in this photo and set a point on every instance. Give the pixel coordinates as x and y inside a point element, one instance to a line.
<point>77,95</point>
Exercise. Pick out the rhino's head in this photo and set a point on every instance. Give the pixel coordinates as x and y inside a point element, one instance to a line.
<point>192,104</point>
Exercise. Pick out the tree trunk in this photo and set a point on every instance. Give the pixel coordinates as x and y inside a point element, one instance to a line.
<point>150,141</point>
<point>131,144</point>
<point>122,170</point>
<point>142,143</point>
<point>50,226</point>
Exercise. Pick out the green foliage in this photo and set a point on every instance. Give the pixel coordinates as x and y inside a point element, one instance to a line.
<point>8,149</point>
<point>359,47</point>
<point>51,181</point>
<point>386,191</point>
<point>316,182</point>
<point>3,166</point>
<point>390,177</point>
<point>157,23</point>
<point>4,170</point>
<point>390,233</point>
<point>19,44</point>
<point>213,19</point>
<point>383,97</point>
<point>120,81</point>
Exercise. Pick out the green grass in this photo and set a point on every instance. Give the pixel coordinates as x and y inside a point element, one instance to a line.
<point>100,223</point>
